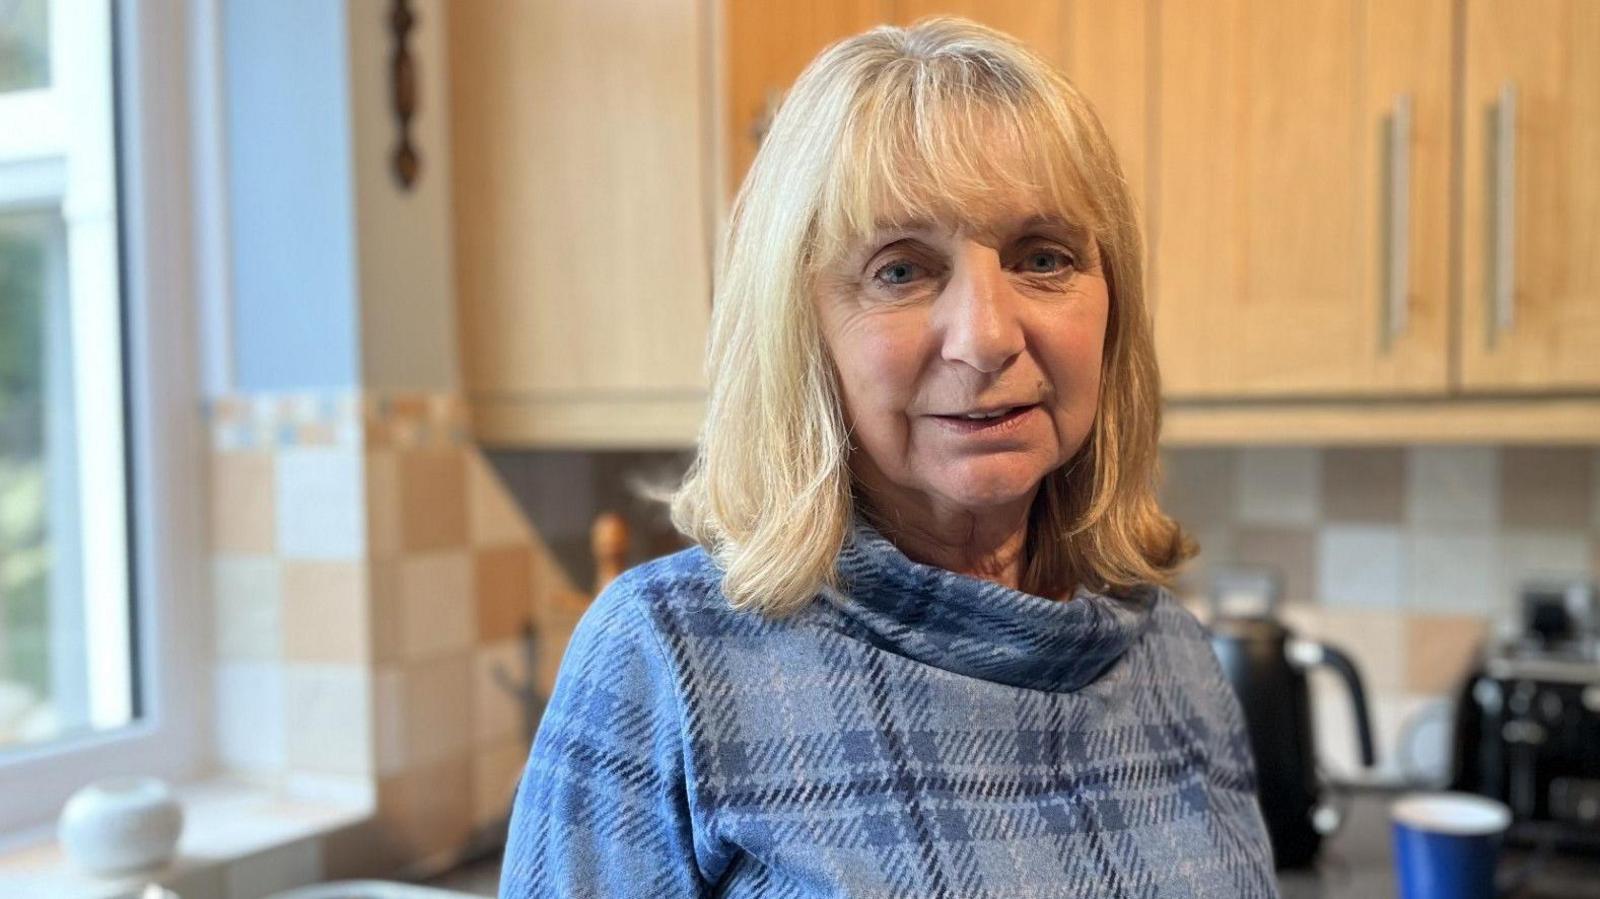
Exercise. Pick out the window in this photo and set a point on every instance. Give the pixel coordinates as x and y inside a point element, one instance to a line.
<point>101,441</point>
<point>65,659</point>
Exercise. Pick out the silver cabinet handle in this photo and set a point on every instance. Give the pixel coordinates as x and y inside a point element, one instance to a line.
<point>1505,210</point>
<point>1398,293</point>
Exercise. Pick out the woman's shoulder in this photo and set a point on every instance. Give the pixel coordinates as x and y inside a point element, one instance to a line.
<point>679,592</point>
<point>1177,635</point>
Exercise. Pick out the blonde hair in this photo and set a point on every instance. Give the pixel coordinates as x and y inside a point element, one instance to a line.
<point>899,122</point>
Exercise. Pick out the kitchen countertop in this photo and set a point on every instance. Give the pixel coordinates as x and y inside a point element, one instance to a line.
<point>1355,862</point>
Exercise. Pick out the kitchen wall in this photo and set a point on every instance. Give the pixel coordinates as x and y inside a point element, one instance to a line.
<point>372,582</point>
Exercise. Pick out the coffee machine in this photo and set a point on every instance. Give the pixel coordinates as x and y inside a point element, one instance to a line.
<point>1267,666</point>
<point>1527,723</point>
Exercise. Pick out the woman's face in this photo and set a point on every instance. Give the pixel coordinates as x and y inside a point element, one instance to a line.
<point>930,324</point>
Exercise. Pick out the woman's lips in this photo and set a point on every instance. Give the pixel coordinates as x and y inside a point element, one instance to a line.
<point>1000,424</point>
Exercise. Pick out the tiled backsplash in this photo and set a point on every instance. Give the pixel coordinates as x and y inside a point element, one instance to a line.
<point>371,577</point>
<point>373,569</point>
<point>1406,558</point>
<point>1436,529</point>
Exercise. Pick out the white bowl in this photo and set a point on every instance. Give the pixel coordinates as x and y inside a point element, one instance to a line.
<point>120,824</point>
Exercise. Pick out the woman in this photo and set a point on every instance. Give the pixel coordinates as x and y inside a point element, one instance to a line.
<point>922,647</point>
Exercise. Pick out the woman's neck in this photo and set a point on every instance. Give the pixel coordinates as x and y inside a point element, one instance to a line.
<point>991,545</point>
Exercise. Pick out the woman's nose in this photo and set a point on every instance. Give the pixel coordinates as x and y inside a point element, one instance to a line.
<point>976,314</point>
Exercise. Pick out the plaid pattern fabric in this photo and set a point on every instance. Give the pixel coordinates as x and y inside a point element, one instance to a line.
<point>920,734</point>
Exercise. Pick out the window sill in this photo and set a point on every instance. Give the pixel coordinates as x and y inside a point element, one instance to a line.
<point>226,820</point>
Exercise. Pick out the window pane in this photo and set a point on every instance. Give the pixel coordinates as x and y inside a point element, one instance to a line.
<point>26,712</point>
<point>24,44</point>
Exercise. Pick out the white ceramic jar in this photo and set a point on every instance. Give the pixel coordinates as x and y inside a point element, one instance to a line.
<point>121,824</point>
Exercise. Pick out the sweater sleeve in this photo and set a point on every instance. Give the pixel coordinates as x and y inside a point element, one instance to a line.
<point>602,808</point>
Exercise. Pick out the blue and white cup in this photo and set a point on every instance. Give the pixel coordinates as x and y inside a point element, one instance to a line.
<point>1446,844</point>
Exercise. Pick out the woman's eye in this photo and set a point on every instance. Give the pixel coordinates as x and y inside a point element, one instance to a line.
<point>1046,261</point>
<point>897,272</point>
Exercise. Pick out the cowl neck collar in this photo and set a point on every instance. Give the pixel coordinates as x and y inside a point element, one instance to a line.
<point>978,628</point>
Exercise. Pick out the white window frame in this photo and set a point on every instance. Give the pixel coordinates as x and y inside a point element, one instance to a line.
<point>155,142</point>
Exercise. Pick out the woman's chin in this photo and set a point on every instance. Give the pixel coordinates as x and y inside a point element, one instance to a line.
<point>979,490</point>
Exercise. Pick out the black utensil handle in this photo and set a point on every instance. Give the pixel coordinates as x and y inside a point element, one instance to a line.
<point>1341,663</point>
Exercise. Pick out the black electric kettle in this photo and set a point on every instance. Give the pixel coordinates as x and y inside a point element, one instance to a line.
<point>1267,666</point>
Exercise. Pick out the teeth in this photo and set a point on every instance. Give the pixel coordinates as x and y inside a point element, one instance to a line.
<point>978,415</point>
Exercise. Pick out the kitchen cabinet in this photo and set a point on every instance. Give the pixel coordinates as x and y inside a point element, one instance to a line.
<point>1530,223</point>
<point>583,222</point>
<point>768,44</point>
<point>1301,156</point>
<point>1366,222</point>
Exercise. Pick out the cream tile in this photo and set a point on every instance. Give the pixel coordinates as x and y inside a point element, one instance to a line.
<point>384,539</point>
<point>1545,488</point>
<point>249,601</point>
<point>497,712</point>
<point>1453,485</point>
<point>496,772</point>
<point>325,612</point>
<point>1278,485</point>
<point>1452,571</point>
<point>329,711</point>
<point>243,509</point>
<point>321,506</point>
<point>439,708</point>
<point>1360,565</point>
<point>433,499</point>
<point>493,515</point>
<point>437,605</point>
<point>389,719</point>
<point>248,705</point>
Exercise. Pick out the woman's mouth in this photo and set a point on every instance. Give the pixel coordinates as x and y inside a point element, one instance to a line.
<point>998,422</point>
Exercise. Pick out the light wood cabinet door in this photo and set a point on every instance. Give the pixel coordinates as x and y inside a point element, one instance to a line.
<point>581,167</point>
<point>1530,225</point>
<point>1099,44</point>
<point>766,46</point>
<point>1300,196</point>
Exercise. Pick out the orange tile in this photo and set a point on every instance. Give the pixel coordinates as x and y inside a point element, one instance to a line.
<point>1439,649</point>
<point>433,499</point>
<point>243,511</point>
<point>384,612</point>
<point>503,584</point>
<point>436,813</point>
<point>383,504</point>
<point>325,612</point>
<point>495,772</point>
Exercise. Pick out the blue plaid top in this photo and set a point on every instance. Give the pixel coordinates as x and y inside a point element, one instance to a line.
<point>922,733</point>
